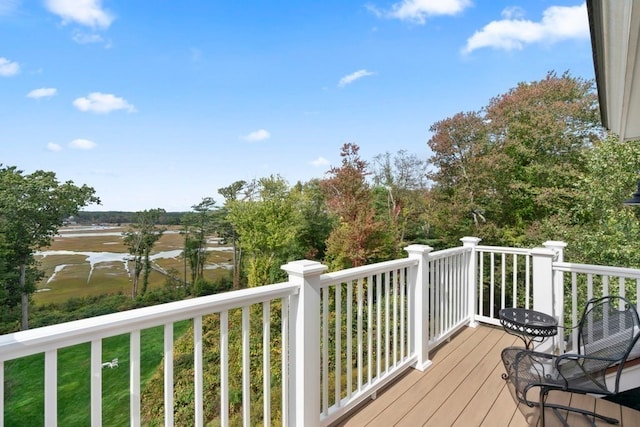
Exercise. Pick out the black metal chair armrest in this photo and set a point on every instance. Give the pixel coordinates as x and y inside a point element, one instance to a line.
<point>577,357</point>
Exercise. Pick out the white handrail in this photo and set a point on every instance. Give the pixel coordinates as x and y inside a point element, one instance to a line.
<point>354,273</point>
<point>630,273</point>
<point>38,340</point>
<point>504,249</point>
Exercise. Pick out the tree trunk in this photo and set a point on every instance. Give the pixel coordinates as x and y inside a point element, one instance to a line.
<point>236,269</point>
<point>136,276</point>
<point>147,269</point>
<point>184,266</point>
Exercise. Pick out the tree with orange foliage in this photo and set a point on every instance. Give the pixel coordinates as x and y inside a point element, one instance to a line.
<point>358,238</point>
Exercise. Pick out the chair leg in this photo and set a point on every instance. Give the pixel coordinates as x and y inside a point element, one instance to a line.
<point>584,412</point>
<point>543,398</point>
<point>559,415</point>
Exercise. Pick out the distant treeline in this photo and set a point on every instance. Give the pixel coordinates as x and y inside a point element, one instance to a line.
<point>118,217</point>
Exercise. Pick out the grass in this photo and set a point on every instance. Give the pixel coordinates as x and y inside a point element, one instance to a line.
<point>24,381</point>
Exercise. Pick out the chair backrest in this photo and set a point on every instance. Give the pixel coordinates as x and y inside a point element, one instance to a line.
<point>609,328</point>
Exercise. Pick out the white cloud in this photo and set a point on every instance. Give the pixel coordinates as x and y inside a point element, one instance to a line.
<point>84,12</point>
<point>558,23</point>
<point>52,146</point>
<point>320,161</point>
<point>419,10</point>
<point>43,92</point>
<point>82,144</point>
<point>97,102</point>
<point>513,12</point>
<point>86,38</point>
<point>8,68</point>
<point>348,79</point>
<point>258,135</point>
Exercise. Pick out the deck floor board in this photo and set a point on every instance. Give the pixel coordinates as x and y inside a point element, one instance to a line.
<point>464,387</point>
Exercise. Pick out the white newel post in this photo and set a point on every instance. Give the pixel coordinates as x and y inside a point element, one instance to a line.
<point>304,350</point>
<point>419,292</point>
<point>543,280</point>
<point>543,285</point>
<point>558,287</point>
<point>472,276</point>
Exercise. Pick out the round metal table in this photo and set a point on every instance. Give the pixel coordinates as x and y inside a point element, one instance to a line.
<point>529,325</point>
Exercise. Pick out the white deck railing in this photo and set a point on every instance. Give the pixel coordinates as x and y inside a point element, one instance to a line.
<point>50,339</point>
<point>505,280</point>
<point>342,336</point>
<point>581,282</point>
<point>450,305</point>
<point>366,324</point>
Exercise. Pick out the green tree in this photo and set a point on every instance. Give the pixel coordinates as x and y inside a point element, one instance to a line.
<point>197,227</point>
<point>400,193</point>
<point>228,231</point>
<point>32,209</point>
<point>545,128</point>
<point>461,175</point>
<point>505,169</point>
<point>598,227</point>
<point>317,222</point>
<point>267,223</point>
<point>140,239</point>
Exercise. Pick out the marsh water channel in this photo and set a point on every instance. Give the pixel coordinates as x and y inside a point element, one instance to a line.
<point>86,260</point>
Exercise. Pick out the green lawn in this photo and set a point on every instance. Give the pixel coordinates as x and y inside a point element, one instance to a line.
<point>24,381</point>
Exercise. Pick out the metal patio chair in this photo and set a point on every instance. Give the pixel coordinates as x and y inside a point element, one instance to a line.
<point>607,332</point>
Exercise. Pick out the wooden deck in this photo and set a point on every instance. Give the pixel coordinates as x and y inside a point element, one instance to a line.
<point>464,388</point>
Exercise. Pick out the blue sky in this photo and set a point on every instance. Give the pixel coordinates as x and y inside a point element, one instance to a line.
<point>158,103</point>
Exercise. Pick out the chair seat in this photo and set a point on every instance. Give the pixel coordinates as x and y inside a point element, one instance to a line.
<point>529,370</point>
